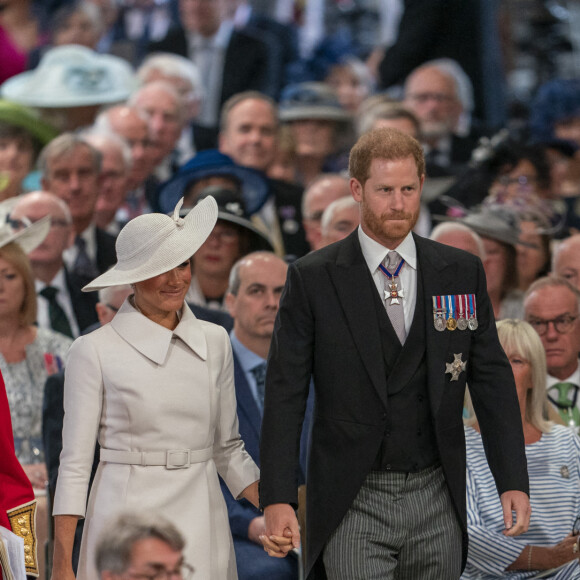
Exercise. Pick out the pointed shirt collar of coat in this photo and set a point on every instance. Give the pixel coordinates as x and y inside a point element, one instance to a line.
<point>375,253</point>
<point>153,340</point>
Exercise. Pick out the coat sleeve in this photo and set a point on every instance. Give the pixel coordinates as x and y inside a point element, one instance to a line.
<point>287,388</point>
<point>17,503</point>
<point>83,400</point>
<point>492,389</point>
<point>233,462</point>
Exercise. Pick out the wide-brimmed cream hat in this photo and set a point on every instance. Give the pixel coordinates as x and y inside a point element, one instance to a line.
<point>155,243</point>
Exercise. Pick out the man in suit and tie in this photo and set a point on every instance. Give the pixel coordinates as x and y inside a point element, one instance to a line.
<point>256,283</point>
<point>61,304</point>
<point>71,170</point>
<point>552,307</point>
<point>434,94</point>
<point>230,61</point>
<point>390,342</point>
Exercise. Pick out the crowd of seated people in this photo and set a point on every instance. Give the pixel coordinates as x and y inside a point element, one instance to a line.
<point>110,109</point>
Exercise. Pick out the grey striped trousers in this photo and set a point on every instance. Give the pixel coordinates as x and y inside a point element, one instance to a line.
<point>400,526</point>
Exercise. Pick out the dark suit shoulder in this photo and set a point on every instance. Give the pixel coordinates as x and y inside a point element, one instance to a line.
<point>175,41</point>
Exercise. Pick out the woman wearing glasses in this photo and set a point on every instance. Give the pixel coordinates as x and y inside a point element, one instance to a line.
<point>553,454</point>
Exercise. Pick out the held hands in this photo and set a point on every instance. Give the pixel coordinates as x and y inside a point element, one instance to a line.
<point>282,533</point>
<point>518,502</point>
<point>564,551</point>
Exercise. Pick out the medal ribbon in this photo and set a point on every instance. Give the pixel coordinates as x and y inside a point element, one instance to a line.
<point>451,306</point>
<point>397,270</point>
<point>472,311</point>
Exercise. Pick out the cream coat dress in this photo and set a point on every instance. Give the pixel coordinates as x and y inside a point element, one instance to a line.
<point>137,386</point>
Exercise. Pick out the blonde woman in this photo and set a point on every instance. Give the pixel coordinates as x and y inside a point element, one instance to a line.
<point>553,454</point>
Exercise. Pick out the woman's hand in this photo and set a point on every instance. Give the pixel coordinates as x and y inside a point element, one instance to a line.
<point>37,474</point>
<point>563,551</point>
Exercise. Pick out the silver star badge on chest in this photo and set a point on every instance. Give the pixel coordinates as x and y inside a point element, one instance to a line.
<point>394,293</point>
<point>456,367</point>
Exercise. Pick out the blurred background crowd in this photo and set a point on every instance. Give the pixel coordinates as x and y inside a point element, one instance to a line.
<point>114,108</point>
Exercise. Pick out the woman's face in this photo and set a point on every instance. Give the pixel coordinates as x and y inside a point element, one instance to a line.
<point>522,371</point>
<point>351,92</point>
<point>520,181</point>
<point>219,252</point>
<point>16,161</point>
<point>495,265</point>
<point>163,294</point>
<point>314,137</point>
<point>11,289</point>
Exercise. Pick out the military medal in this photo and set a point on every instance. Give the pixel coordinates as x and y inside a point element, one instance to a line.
<point>451,322</point>
<point>438,314</point>
<point>472,322</point>
<point>461,321</point>
<point>394,292</point>
<point>456,367</point>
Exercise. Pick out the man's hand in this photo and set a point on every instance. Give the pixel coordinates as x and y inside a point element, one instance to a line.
<point>519,502</point>
<point>282,532</point>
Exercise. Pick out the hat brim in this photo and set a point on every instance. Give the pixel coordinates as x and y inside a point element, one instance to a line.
<point>258,239</point>
<point>19,116</point>
<point>300,113</point>
<point>254,186</point>
<point>30,237</point>
<point>505,236</point>
<point>178,247</point>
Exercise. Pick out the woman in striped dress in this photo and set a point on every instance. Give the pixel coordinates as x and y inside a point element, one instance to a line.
<point>553,452</point>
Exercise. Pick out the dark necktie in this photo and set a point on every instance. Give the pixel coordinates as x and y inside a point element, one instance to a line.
<point>58,318</point>
<point>83,266</point>
<point>259,373</point>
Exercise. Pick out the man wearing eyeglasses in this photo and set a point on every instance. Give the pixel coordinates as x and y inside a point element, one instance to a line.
<point>433,92</point>
<point>551,306</point>
<point>142,548</point>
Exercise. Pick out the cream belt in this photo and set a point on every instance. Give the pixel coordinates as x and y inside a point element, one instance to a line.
<point>171,459</point>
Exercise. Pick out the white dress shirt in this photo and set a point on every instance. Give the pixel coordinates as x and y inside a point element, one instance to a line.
<point>90,237</point>
<point>209,53</point>
<point>374,255</point>
<point>62,297</point>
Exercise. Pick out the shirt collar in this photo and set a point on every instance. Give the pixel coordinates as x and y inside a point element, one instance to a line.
<point>374,253</point>
<point>153,340</point>
<point>247,358</point>
<point>220,39</point>
<point>574,378</point>
<point>58,282</point>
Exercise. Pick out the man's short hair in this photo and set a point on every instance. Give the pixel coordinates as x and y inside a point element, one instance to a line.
<point>449,227</point>
<point>113,551</point>
<point>388,144</point>
<point>245,96</point>
<point>172,65</point>
<point>552,282</point>
<point>235,280</point>
<point>385,110</point>
<point>65,144</point>
<point>339,204</point>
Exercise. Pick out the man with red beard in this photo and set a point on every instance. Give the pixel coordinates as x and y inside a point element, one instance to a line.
<point>390,327</point>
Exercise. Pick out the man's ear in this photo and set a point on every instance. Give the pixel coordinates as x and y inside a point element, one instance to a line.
<point>230,302</point>
<point>356,189</point>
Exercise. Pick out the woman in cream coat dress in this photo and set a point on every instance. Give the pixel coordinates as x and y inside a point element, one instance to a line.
<point>155,387</point>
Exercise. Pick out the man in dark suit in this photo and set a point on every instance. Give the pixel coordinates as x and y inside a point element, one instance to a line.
<point>230,61</point>
<point>69,311</point>
<point>433,94</point>
<point>256,283</point>
<point>248,134</point>
<point>71,170</point>
<point>391,327</point>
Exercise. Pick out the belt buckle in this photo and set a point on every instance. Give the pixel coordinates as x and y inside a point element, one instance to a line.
<point>177,459</point>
